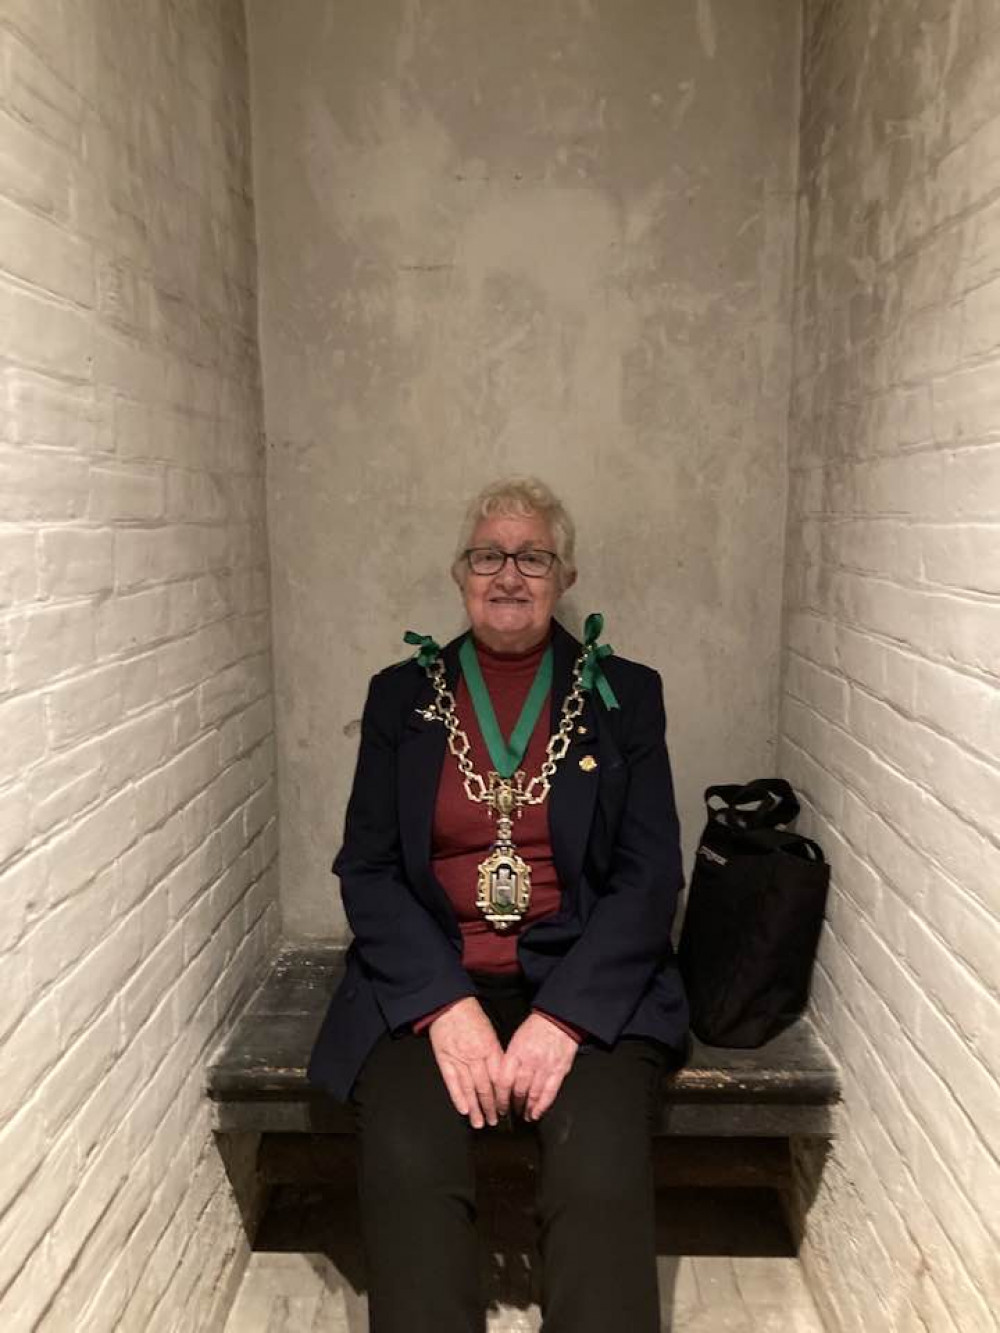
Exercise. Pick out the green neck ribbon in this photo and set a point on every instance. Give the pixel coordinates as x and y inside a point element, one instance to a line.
<point>506,755</point>
<point>592,676</point>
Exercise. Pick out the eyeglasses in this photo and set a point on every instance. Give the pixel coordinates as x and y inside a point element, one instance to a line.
<point>532,564</point>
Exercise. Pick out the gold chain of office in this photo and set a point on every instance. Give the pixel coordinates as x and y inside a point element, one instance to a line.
<point>504,888</point>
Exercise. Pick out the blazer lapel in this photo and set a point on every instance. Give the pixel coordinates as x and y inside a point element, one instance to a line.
<point>421,754</point>
<point>574,785</point>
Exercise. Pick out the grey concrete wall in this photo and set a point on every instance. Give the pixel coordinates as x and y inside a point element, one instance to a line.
<point>890,722</point>
<point>553,238</point>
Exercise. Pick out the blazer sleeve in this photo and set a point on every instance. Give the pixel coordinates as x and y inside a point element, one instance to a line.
<point>599,982</point>
<point>413,965</point>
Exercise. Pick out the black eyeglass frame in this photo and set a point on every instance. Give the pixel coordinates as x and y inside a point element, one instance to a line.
<point>509,555</point>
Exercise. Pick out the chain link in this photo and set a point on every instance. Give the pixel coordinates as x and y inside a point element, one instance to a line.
<point>477,788</point>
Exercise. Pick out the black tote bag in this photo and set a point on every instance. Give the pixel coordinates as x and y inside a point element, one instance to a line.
<point>754,913</point>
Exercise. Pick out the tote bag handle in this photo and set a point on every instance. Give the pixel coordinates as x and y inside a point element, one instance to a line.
<point>764,803</point>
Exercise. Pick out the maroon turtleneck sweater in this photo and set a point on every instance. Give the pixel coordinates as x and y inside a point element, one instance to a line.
<point>464,831</point>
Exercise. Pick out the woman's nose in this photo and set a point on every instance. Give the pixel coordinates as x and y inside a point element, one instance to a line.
<point>510,576</point>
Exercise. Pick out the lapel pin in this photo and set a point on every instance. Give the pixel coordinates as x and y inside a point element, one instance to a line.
<point>581,731</point>
<point>588,763</point>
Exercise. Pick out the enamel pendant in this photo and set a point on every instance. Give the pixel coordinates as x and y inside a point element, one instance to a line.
<point>504,890</point>
<point>504,887</point>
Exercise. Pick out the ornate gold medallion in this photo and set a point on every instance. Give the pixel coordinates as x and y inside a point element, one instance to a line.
<point>504,890</point>
<point>504,887</point>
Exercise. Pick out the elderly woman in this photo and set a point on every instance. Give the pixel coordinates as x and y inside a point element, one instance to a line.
<point>510,870</point>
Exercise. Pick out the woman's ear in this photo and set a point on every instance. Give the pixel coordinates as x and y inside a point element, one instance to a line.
<point>568,581</point>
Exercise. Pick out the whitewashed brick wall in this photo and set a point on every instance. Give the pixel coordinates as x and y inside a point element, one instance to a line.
<point>137,815</point>
<point>891,706</point>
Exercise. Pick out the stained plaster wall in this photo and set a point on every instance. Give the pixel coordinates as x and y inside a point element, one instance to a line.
<point>890,724</point>
<point>495,238</point>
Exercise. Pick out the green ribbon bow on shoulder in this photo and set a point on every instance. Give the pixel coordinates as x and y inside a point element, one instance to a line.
<point>592,675</point>
<point>427,652</point>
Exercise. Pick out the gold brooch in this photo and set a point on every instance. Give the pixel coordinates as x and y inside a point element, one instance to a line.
<point>588,763</point>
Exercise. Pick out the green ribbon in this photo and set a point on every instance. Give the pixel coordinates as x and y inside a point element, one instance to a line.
<point>428,651</point>
<point>592,675</point>
<point>506,755</point>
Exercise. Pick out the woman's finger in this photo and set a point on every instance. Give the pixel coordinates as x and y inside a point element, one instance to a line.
<point>471,1096</point>
<point>501,1090</point>
<point>454,1086</point>
<point>484,1090</point>
<point>531,1095</point>
<point>508,1068</point>
<point>505,1085</point>
<point>521,1085</point>
<point>543,1097</point>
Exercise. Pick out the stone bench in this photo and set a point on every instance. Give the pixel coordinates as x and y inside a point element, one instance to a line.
<point>727,1117</point>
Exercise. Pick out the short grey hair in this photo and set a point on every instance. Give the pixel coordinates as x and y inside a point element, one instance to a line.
<point>520,496</point>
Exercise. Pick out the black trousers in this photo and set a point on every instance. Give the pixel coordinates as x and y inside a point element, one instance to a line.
<point>595,1203</point>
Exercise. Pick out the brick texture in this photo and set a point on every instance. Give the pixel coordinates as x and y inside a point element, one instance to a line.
<point>890,723</point>
<point>138,842</point>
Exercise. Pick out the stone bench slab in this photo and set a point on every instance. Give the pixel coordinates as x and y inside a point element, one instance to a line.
<point>256,1080</point>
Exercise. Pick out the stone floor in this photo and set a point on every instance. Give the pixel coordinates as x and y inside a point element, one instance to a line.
<point>725,1258</point>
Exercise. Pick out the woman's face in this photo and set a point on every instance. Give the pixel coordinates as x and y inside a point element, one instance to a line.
<point>508,612</point>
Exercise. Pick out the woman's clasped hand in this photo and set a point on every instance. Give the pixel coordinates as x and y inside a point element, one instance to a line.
<point>483,1080</point>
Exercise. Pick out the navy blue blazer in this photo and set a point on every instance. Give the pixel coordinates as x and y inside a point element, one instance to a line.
<point>603,962</point>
